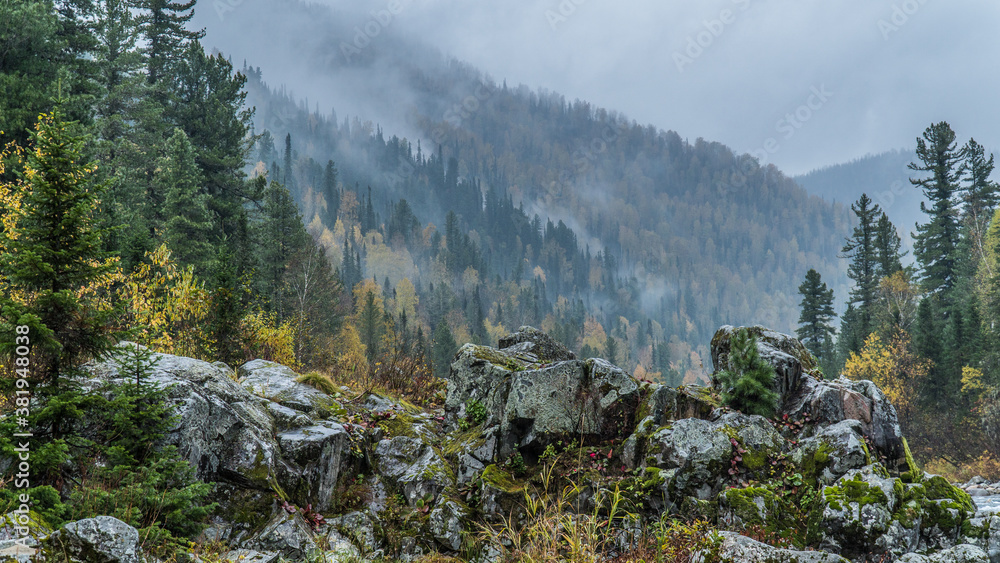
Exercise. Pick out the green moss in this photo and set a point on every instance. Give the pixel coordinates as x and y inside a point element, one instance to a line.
<point>853,491</point>
<point>497,358</point>
<point>813,463</point>
<point>652,478</point>
<point>938,488</point>
<point>744,504</point>
<point>496,477</point>
<point>463,441</point>
<point>402,424</point>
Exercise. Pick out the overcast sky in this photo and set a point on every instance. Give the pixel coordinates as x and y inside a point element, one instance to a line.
<point>799,83</point>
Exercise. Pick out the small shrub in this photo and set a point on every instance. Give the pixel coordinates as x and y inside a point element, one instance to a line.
<point>747,385</point>
<point>319,381</point>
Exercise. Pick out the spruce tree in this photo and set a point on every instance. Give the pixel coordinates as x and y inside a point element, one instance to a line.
<point>936,241</point>
<point>50,249</point>
<point>980,196</point>
<point>747,383</point>
<point>888,258</point>
<point>443,349</point>
<point>817,312</point>
<point>187,225</point>
<point>164,28</point>
<point>331,194</point>
<point>861,249</point>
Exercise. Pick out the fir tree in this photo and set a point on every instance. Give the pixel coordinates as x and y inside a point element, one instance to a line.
<point>980,197</point>
<point>888,258</point>
<point>330,193</point>
<point>817,312</point>
<point>935,242</point>
<point>50,251</point>
<point>187,226</point>
<point>747,384</point>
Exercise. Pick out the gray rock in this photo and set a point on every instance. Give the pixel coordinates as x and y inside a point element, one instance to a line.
<point>251,556</point>
<point>857,513</point>
<point>829,402</point>
<point>222,430</point>
<point>957,554</point>
<point>698,452</point>
<point>317,453</point>
<point>287,534</point>
<point>21,534</point>
<point>833,451</point>
<point>446,525</point>
<point>357,528</point>
<point>593,400</point>
<point>414,468</point>
<point>340,548</point>
<point>280,384</point>
<point>735,547</point>
<point>102,539</point>
<point>529,340</point>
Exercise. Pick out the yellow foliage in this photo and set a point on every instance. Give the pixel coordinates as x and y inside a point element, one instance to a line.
<point>897,371</point>
<point>363,288</point>
<point>594,335</point>
<point>267,339</point>
<point>495,331</point>
<point>168,307</point>
<point>351,353</point>
<point>972,381</point>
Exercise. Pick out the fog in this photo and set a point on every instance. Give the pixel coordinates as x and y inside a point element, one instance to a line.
<point>798,84</point>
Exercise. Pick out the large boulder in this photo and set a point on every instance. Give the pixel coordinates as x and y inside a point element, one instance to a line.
<point>832,452</point>
<point>102,539</point>
<point>804,395</point>
<point>21,534</point>
<point>316,454</point>
<point>286,534</point>
<point>280,384</point>
<point>735,547</point>
<point>232,436</point>
<point>791,360</point>
<point>867,512</point>
<point>698,458</point>
<point>537,394</point>
<point>829,402</point>
<point>413,468</point>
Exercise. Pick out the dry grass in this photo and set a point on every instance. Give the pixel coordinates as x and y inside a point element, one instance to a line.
<point>985,466</point>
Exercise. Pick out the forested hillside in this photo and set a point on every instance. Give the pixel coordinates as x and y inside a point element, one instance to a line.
<point>578,220</point>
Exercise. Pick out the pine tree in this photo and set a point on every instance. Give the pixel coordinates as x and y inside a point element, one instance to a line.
<point>50,250</point>
<point>444,347</point>
<point>935,241</point>
<point>187,226</point>
<point>817,312</point>
<point>747,383</point>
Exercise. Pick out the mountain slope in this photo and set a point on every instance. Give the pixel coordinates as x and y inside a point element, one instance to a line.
<point>632,224</point>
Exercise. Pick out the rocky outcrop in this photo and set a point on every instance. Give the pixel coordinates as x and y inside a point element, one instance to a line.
<point>538,395</point>
<point>803,394</point>
<point>395,480</point>
<point>94,540</point>
<point>735,547</point>
<point>231,435</point>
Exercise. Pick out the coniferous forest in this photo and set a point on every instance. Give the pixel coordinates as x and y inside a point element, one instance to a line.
<point>155,192</point>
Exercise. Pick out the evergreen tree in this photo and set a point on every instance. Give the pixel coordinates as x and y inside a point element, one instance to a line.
<point>817,312</point>
<point>371,325</point>
<point>50,250</point>
<point>611,350</point>
<point>227,309</point>
<point>444,348</point>
<point>330,193</point>
<point>164,29</point>
<point>281,236</point>
<point>187,226</point>
<point>747,382</point>
<point>861,249</point>
<point>935,241</point>
<point>980,197</point>
<point>887,244</point>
